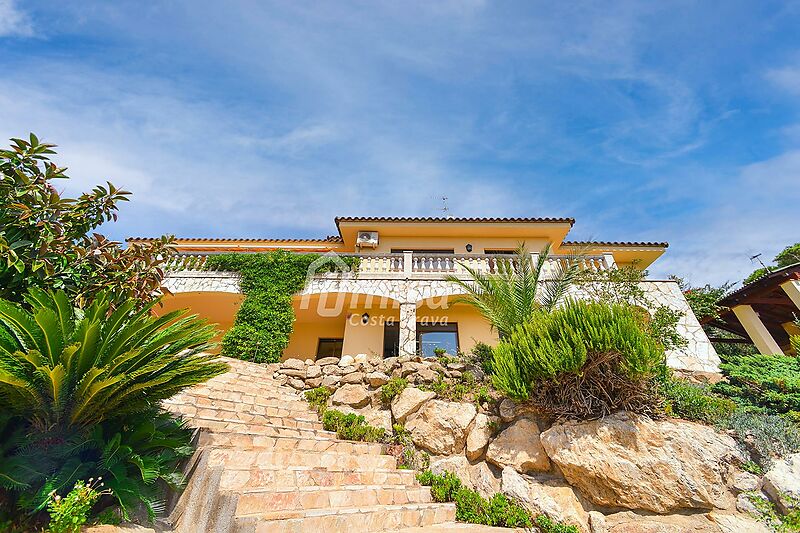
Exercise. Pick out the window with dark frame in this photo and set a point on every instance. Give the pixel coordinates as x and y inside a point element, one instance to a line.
<point>329,347</point>
<point>429,337</point>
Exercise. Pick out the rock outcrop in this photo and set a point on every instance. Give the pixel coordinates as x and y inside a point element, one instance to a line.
<point>441,427</point>
<point>556,500</point>
<point>519,446</point>
<point>633,462</point>
<point>782,482</point>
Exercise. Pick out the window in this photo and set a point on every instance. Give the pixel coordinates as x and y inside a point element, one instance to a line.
<point>499,252</point>
<point>329,348</point>
<point>391,338</point>
<point>429,337</point>
<point>433,336</point>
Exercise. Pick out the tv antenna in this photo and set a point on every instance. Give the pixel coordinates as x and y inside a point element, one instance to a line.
<point>445,209</point>
<point>757,257</point>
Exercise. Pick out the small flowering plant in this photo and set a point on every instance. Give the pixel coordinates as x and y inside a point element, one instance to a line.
<point>69,513</point>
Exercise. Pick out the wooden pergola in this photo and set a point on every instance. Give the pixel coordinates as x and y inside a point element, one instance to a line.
<point>763,310</point>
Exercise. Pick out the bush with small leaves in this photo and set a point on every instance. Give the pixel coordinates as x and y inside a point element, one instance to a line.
<point>318,398</point>
<point>69,513</point>
<point>482,355</point>
<point>392,388</point>
<point>765,436</point>
<point>694,402</point>
<point>470,506</point>
<point>351,426</point>
<point>546,525</point>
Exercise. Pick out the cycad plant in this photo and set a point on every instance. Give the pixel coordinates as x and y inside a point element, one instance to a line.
<point>70,377</point>
<point>509,296</point>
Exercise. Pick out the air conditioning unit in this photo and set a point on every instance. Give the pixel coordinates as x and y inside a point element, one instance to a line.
<point>367,239</point>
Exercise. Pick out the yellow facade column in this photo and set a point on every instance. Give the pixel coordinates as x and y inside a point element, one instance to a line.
<point>792,288</point>
<point>756,330</point>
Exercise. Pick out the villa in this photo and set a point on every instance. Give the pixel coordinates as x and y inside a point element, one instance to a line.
<point>398,301</point>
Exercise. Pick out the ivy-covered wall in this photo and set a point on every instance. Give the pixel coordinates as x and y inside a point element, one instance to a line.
<point>265,319</point>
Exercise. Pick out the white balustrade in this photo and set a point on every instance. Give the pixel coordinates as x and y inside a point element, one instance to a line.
<point>424,266</point>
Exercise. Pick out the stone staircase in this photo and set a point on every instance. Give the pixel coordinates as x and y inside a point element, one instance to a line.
<point>264,464</point>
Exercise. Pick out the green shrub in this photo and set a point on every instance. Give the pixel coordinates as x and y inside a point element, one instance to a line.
<point>470,506</point>
<point>694,402</point>
<point>318,398</point>
<point>265,319</point>
<point>391,389</point>
<point>505,513</point>
<point>351,426</point>
<point>584,360</point>
<point>482,396</point>
<point>482,355</point>
<point>450,390</point>
<point>771,382</point>
<point>546,525</point>
<point>69,513</point>
<point>765,436</point>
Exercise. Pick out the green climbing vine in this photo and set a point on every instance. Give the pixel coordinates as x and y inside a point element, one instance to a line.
<point>265,319</point>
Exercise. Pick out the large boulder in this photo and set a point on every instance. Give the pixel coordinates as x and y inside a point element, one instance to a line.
<point>352,395</point>
<point>556,500</point>
<point>737,523</point>
<point>441,427</point>
<point>478,437</point>
<point>630,522</point>
<point>456,464</point>
<point>478,476</point>
<point>408,402</point>
<point>519,446</point>
<point>484,480</point>
<point>782,481</point>
<point>633,462</point>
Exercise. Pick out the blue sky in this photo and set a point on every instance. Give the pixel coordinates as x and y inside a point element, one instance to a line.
<point>678,121</point>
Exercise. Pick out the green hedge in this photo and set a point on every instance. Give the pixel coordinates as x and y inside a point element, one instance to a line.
<point>265,319</point>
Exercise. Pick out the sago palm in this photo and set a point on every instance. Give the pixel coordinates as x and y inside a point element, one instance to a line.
<point>510,295</point>
<point>64,369</point>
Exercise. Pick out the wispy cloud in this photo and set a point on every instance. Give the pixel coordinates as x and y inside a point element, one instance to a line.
<point>14,21</point>
<point>270,118</point>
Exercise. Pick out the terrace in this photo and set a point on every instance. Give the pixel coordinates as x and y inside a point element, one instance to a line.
<point>420,266</point>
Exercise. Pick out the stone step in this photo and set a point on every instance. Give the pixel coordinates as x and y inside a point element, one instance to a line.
<point>360,519</point>
<point>222,426</point>
<point>217,398</point>
<point>293,476</point>
<point>235,390</point>
<point>252,441</point>
<point>215,418</point>
<point>280,459</point>
<point>284,503</point>
<point>244,414</point>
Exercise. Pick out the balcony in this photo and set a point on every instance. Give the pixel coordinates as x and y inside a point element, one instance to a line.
<point>410,265</point>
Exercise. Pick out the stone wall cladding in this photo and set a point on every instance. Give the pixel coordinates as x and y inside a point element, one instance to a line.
<point>202,281</point>
<point>697,356</point>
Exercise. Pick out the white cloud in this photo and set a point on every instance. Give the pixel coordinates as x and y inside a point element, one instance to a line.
<point>13,21</point>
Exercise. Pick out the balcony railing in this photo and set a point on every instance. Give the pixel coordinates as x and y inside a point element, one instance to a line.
<point>420,265</point>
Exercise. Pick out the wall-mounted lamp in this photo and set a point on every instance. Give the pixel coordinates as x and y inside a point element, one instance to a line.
<point>365,319</point>
<point>469,247</point>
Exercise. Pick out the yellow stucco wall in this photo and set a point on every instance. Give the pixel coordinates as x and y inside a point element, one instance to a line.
<point>305,337</point>
<point>457,244</point>
<point>472,327</point>
<point>216,307</point>
<point>367,338</point>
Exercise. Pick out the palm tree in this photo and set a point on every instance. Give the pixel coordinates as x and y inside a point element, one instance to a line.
<point>508,297</point>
